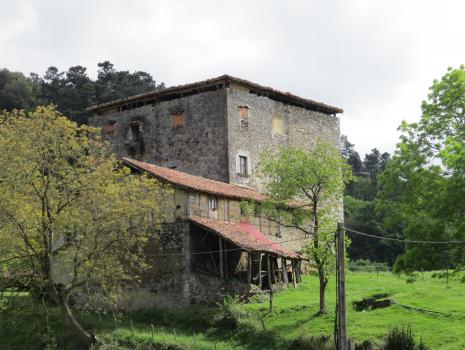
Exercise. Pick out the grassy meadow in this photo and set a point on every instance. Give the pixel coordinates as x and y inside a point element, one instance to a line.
<point>24,325</point>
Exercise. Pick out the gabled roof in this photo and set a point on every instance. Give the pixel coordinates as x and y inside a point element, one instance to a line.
<point>244,235</point>
<point>218,83</point>
<point>196,183</point>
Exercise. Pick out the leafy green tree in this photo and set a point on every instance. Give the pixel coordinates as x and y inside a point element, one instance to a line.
<point>316,180</point>
<point>73,222</point>
<point>361,215</point>
<point>423,186</point>
<point>17,91</point>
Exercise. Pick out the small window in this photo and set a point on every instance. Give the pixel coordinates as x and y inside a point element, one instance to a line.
<point>244,116</point>
<point>177,120</point>
<point>243,165</point>
<point>193,197</point>
<point>109,128</point>
<point>212,203</point>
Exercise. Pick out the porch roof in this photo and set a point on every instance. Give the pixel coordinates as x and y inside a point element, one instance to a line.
<point>246,236</point>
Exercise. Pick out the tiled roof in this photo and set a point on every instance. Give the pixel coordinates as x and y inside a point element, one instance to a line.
<point>196,183</point>
<point>244,235</point>
<point>284,97</point>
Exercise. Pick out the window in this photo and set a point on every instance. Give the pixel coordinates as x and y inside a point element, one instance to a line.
<point>212,203</point>
<point>243,165</point>
<point>244,116</point>
<point>177,120</point>
<point>109,128</point>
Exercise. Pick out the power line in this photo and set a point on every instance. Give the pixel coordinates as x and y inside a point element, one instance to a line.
<point>227,250</point>
<point>402,240</point>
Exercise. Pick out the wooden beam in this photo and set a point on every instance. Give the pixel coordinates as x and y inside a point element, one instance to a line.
<point>220,245</point>
<point>260,272</point>
<point>249,267</point>
<point>284,267</point>
<point>273,272</point>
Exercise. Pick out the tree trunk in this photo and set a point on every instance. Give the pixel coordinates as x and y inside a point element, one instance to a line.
<point>81,334</point>
<point>323,283</point>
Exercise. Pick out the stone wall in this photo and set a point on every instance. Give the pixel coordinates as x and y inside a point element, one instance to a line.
<point>271,124</point>
<point>189,133</point>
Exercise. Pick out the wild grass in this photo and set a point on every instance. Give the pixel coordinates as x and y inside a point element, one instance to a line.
<point>294,323</point>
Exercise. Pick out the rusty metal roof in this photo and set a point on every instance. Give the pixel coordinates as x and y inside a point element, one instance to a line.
<point>196,183</point>
<point>246,236</point>
<point>205,85</point>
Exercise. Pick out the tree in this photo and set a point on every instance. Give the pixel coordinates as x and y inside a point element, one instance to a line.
<point>423,186</point>
<point>112,84</point>
<point>316,180</point>
<point>17,91</point>
<point>73,222</point>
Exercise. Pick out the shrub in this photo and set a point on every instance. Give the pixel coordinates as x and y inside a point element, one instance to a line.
<point>310,343</point>
<point>402,339</point>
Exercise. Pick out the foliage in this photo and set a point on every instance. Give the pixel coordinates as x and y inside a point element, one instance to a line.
<point>67,213</point>
<point>423,186</point>
<point>72,91</point>
<point>17,91</point>
<point>366,172</point>
<point>315,181</point>
<point>361,215</point>
<point>402,339</point>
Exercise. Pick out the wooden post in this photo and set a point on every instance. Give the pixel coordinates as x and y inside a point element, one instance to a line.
<point>260,272</point>
<point>293,273</point>
<point>226,267</point>
<point>270,283</point>
<point>249,268</point>
<point>220,245</point>
<point>273,272</point>
<point>342,336</point>
<point>285,277</point>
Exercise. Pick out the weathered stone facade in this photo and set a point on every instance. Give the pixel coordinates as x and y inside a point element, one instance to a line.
<point>204,128</point>
<point>188,133</point>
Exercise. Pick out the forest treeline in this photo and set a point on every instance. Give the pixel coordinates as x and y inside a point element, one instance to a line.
<point>360,206</point>
<point>72,91</point>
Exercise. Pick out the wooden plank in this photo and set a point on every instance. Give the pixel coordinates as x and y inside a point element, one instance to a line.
<point>220,245</point>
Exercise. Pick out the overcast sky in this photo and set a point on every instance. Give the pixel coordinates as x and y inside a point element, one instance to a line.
<point>374,59</point>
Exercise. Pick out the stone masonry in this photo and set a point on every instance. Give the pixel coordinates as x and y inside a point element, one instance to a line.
<point>204,128</point>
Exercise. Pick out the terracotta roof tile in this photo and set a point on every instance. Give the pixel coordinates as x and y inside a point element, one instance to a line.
<point>285,97</point>
<point>196,183</point>
<point>246,236</point>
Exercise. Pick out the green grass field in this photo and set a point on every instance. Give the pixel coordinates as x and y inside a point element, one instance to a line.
<point>295,309</point>
<point>250,326</point>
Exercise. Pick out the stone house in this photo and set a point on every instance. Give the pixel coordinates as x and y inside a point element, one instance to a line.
<point>208,247</point>
<point>204,139</point>
<point>215,128</point>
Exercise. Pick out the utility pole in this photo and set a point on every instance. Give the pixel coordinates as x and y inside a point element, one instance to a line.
<point>342,337</point>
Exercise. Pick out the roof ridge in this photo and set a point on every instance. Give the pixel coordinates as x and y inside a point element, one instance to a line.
<point>325,108</point>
